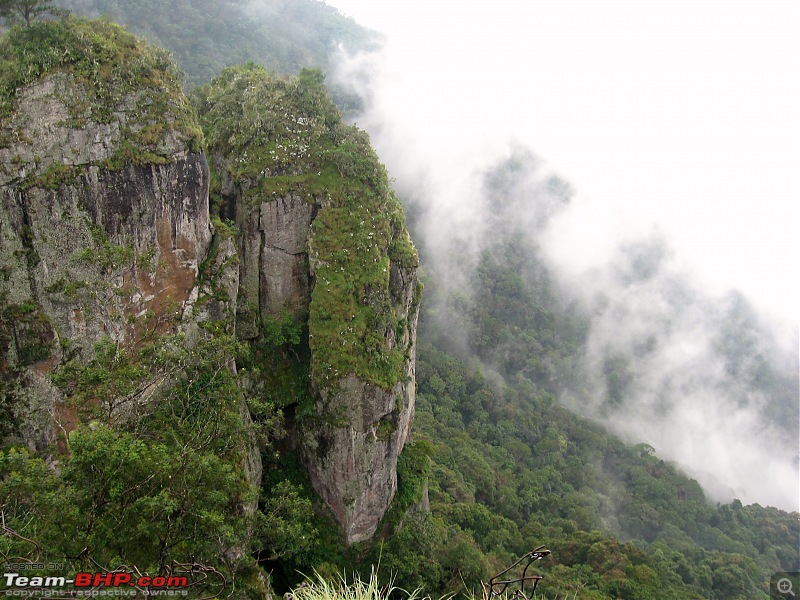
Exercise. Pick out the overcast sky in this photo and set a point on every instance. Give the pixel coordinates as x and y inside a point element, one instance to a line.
<point>677,124</point>
<point>677,116</point>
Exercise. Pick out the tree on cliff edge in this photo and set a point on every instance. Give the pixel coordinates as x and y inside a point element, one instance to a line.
<point>26,11</point>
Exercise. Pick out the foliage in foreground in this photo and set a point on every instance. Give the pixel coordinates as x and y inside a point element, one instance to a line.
<point>165,487</point>
<point>357,588</point>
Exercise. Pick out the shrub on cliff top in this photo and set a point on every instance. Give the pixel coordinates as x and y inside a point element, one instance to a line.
<point>108,64</point>
<point>282,136</point>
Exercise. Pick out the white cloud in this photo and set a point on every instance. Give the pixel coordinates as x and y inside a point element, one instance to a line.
<point>676,113</point>
<point>678,124</point>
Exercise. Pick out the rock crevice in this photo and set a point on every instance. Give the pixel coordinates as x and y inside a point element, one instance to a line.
<point>105,241</point>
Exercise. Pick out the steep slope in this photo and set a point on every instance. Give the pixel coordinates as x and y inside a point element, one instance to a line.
<point>104,213</point>
<point>125,390</point>
<point>322,240</point>
<point>125,430</point>
<point>122,418</point>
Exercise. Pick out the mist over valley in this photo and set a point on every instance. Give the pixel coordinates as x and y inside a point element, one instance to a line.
<point>684,351</point>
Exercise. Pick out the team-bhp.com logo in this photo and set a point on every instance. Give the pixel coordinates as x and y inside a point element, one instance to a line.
<point>29,575</point>
<point>96,580</point>
<point>94,584</point>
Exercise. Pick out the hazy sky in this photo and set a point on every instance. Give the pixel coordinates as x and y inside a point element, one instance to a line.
<point>678,116</point>
<point>678,125</point>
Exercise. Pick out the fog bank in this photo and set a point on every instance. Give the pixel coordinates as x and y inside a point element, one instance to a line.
<point>676,126</point>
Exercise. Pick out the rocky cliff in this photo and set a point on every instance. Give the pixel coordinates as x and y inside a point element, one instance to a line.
<point>109,258</point>
<point>322,241</point>
<point>103,209</point>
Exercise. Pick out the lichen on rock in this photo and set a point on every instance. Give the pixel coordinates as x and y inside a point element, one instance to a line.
<point>322,239</point>
<point>115,283</point>
<point>103,205</point>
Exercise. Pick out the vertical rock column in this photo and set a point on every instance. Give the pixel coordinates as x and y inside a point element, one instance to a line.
<point>361,427</point>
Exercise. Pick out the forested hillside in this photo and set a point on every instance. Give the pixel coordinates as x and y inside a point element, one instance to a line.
<point>496,465</point>
<point>206,35</point>
<point>511,467</point>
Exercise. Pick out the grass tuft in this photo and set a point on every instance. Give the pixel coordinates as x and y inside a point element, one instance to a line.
<point>320,588</point>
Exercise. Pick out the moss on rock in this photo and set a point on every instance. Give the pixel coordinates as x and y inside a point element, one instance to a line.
<point>284,137</point>
<point>103,70</point>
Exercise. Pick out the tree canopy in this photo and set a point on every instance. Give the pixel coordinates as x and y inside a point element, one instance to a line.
<point>26,11</point>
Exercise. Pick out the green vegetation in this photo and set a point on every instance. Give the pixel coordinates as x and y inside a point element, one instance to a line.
<point>26,328</point>
<point>26,338</point>
<point>52,178</point>
<point>511,468</point>
<point>517,469</point>
<point>112,75</point>
<point>357,588</point>
<point>156,470</point>
<point>287,137</point>
<point>164,484</point>
<point>413,472</point>
<point>205,36</point>
<point>109,257</point>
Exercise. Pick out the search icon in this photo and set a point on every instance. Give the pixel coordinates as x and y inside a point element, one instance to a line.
<point>785,587</point>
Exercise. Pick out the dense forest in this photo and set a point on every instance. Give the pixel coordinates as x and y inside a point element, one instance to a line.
<point>496,465</point>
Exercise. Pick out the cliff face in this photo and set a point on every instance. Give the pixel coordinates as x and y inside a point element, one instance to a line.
<point>353,451</point>
<point>103,220</point>
<point>98,244</point>
<point>352,441</point>
<point>108,256</point>
<point>322,241</point>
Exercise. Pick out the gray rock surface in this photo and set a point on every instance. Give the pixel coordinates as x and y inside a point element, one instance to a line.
<point>91,248</point>
<point>273,251</point>
<point>352,443</point>
<point>284,260</point>
<point>352,455</point>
